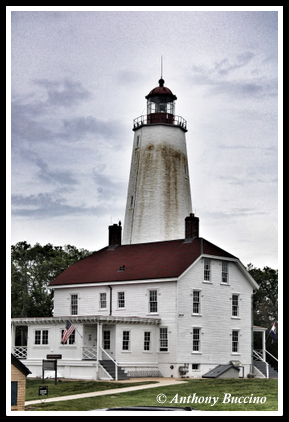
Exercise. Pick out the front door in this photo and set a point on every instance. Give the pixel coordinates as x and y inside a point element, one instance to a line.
<point>108,343</point>
<point>89,338</point>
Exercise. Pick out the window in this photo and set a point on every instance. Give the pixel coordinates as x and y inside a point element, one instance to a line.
<point>14,387</point>
<point>125,340</point>
<point>196,302</point>
<point>37,337</point>
<point>153,304</point>
<point>106,340</point>
<point>102,300</point>
<point>225,272</point>
<point>164,340</point>
<point>207,269</point>
<point>196,340</point>
<point>41,337</point>
<point>195,366</point>
<point>74,304</point>
<point>45,337</point>
<point>147,340</point>
<point>71,339</point>
<point>235,305</point>
<point>186,171</point>
<point>131,201</point>
<point>235,341</point>
<point>137,141</point>
<point>121,300</point>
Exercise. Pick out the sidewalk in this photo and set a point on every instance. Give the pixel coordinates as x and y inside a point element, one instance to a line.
<point>161,383</point>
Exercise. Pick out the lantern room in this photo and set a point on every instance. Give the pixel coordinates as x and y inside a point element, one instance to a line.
<point>160,109</point>
<point>160,105</point>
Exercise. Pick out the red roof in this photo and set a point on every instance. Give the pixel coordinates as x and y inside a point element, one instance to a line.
<point>141,261</point>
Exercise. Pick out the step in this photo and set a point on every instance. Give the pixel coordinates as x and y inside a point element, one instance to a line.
<point>109,366</point>
<point>262,367</point>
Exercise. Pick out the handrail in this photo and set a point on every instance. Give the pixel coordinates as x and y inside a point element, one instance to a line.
<point>271,355</point>
<point>116,364</point>
<point>263,360</point>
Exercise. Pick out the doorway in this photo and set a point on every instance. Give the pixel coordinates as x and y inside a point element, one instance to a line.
<point>108,342</point>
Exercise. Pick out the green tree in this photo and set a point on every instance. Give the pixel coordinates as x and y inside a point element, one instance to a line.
<point>265,305</point>
<point>32,269</point>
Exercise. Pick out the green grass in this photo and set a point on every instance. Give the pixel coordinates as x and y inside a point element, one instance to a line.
<point>201,387</point>
<point>67,388</point>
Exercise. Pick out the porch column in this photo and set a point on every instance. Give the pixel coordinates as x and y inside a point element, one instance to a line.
<point>264,345</point>
<point>12,337</point>
<point>98,350</point>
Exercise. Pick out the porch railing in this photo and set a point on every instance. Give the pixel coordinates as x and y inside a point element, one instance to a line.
<point>258,354</point>
<point>89,353</point>
<point>20,352</point>
<point>116,365</point>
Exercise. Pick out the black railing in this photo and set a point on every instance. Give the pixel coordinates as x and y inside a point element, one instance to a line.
<point>160,118</point>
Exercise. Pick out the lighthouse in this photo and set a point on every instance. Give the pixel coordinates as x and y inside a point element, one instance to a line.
<point>159,197</point>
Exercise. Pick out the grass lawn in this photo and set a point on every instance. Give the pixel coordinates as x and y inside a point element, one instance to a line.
<point>67,388</point>
<point>177,395</point>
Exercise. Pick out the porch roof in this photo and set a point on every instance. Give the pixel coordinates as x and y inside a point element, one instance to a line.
<point>89,319</point>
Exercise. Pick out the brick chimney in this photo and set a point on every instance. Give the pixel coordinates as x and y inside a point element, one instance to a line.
<point>191,226</point>
<point>114,234</point>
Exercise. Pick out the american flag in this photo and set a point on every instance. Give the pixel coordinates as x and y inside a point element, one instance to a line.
<point>67,332</point>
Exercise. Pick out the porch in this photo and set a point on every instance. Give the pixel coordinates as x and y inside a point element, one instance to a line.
<point>92,343</point>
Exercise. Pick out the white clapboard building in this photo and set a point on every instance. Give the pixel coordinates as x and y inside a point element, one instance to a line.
<point>159,300</point>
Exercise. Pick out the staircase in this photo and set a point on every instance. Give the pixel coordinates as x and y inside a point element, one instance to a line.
<point>262,368</point>
<point>109,366</point>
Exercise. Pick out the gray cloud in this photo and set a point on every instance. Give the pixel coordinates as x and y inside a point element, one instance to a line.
<point>63,93</point>
<point>47,205</point>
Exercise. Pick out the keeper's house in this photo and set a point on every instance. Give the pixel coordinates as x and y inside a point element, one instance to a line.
<point>154,309</point>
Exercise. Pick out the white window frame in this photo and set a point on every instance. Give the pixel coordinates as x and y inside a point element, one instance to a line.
<point>120,300</point>
<point>235,307</point>
<point>235,342</point>
<point>102,300</point>
<point>162,339</point>
<point>199,313</point>
<point>147,341</point>
<point>196,339</point>
<point>151,302</point>
<point>41,338</point>
<point>207,276</point>
<point>225,274</point>
<point>74,306</point>
<point>127,340</point>
<point>70,341</point>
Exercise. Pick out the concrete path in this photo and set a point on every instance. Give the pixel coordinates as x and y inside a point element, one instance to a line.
<point>161,383</point>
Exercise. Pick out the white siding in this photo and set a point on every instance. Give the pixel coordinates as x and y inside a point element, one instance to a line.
<point>215,321</point>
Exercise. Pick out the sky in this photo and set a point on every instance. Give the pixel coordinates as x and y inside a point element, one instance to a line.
<point>79,76</point>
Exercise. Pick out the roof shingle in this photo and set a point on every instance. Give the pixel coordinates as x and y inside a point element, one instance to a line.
<point>141,261</point>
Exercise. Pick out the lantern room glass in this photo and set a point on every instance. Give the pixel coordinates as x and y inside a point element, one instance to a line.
<point>160,104</point>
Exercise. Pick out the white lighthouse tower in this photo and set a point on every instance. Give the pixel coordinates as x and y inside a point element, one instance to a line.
<point>159,197</point>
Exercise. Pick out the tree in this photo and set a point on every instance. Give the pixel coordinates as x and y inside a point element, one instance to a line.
<point>32,269</point>
<point>265,305</point>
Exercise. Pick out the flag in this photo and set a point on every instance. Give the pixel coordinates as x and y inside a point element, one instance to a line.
<point>67,332</point>
<point>273,332</point>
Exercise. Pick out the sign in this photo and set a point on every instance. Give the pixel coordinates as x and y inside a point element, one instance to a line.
<point>43,390</point>
<point>43,393</point>
<point>49,365</point>
<point>53,356</point>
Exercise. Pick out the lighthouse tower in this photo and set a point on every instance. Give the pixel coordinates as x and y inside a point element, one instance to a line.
<point>159,197</point>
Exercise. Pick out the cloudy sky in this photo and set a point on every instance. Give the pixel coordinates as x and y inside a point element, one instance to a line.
<point>79,78</point>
